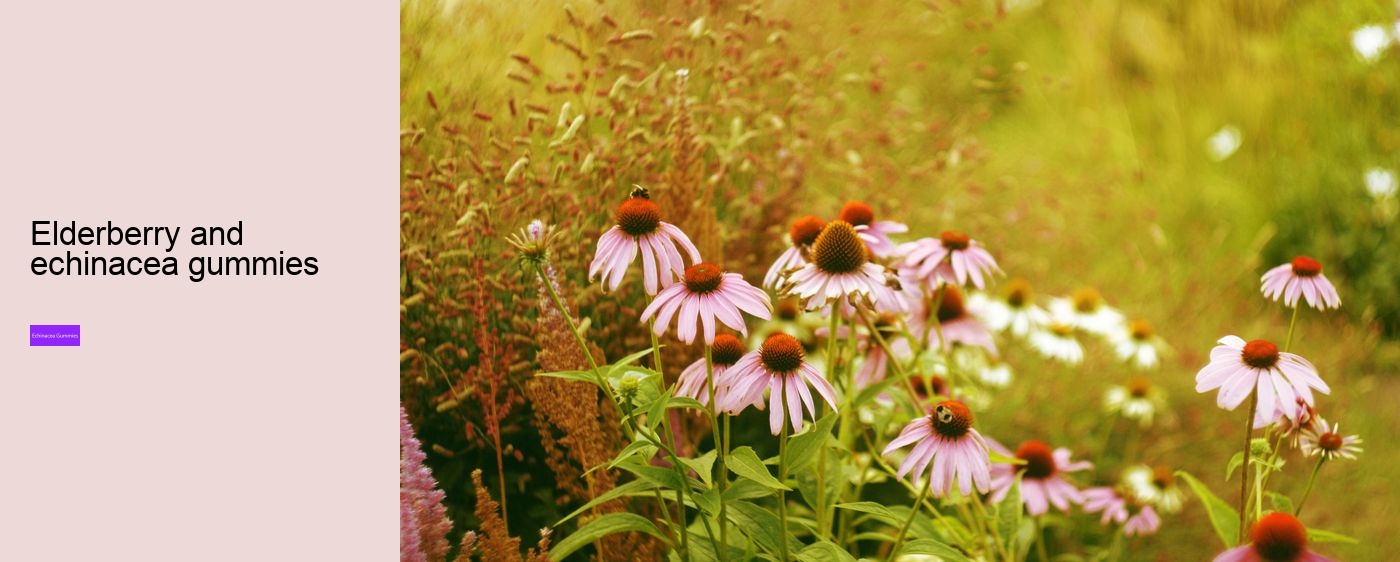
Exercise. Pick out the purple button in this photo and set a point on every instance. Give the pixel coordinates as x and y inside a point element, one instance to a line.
<point>54,334</point>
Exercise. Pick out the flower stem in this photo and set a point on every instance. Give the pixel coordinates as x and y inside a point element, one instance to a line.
<point>1040,539</point>
<point>1288,344</point>
<point>913,510</point>
<point>721,448</point>
<point>1306,491</point>
<point>1244,474</point>
<point>782,478</point>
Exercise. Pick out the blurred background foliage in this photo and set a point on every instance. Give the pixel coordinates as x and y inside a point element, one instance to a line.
<point>1166,153</point>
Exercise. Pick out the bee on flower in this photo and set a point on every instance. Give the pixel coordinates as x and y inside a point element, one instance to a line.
<point>639,229</point>
<point>947,447</point>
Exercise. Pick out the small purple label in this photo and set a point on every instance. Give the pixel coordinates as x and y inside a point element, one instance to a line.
<point>54,334</point>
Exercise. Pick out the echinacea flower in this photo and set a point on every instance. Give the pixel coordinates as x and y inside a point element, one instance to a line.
<point>1289,428</point>
<point>840,269</point>
<point>1155,486</point>
<point>956,325</point>
<point>946,442</point>
<point>1238,368</point>
<point>640,228</point>
<point>1086,310</point>
<point>1056,341</point>
<point>707,295</point>
<point>1276,537</point>
<point>1137,344</point>
<point>875,234</point>
<point>1138,400</point>
<point>1300,277</point>
<point>1042,483</point>
<point>1119,509</point>
<point>1015,311</point>
<point>1327,441</point>
<point>777,366</point>
<point>801,235</point>
<point>953,257</point>
<point>724,353</point>
<point>876,362</point>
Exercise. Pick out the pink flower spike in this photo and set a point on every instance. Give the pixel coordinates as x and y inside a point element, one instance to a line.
<point>779,367</point>
<point>1281,379</point>
<point>948,448</point>
<point>1300,277</point>
<point>706,295</point>
<point>639,229</point>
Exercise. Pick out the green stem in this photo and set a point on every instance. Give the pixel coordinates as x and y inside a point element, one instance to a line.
<point>991,530</point>
<point>903,530</point>
<point>722,450</point>
<point>1040,539</point>
<point>1115,550</point>
<point>1297,511</point>
<point>1244,474</point>
<point>1288,344</point>
<point>782,478</point>
<point>832,371</point>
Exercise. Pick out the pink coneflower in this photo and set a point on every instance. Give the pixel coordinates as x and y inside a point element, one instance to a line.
<point>1276,537</point>
<point>801,235</point>
<point>948,443</point>
<point>639,227</point>
<point>1288,427</point>
<point>875,234</point>
<point>1116,509</point>
<point>724,353</point>
<point>778,366</point>
<point>958,326</point>
<point>1302,276</point>
<point>954,258</point>
<point>840,269</point>
<point>1237,367</point>
<point>1041,482</point>
<point>1326,440</point>
<point>706,295</point>
<point>876,363</point>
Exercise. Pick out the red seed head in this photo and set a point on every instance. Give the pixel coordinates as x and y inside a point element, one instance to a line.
<point>1330,442</point>
<point>1304,266</point>
<point>954,240</point>
<point>951,419</point>
<point>1278,537</point>
<point>804,230</point>
<point>638,216</point>
<point>1040,459</point>
<point>727,350</point>
<point>1260,354</point>
<point>703,277</point>
<point>838,249</point>
<point>857,213</point>
<point>781,353</point>
<point>951,306</point>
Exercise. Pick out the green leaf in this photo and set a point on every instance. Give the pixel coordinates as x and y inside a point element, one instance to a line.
<point>707,501</point>
<point>745,490</point>
<point>802,449</point>
<point>656,408</point>
<point>759,523</point>
<point>1280,502</point>
<point>1234,465</point>
<point>1321,536</point>
<point>584,376</point>
<point>1009,515</point>
<point>620,364</point>
<point>930,547</point>
<point>879,511</point>
<point>704,465</point>
<point>601,527</point>
<point>685,402</point>
<point>824,551</point>
<point>663,477</point>
<point>1003,459</point>
<point>630,488</point>
<point>645,448</point>
<point>744,462</point>
<point>1223,517</point>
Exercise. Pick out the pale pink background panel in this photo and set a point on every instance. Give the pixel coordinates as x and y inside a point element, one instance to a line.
<point>239,418</point>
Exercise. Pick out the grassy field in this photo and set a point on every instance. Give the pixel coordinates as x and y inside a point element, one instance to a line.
<point>1071,138</point>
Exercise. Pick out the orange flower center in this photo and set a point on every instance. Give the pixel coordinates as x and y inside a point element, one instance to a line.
<point>1304,266</point>
<point>1040,460</point>
<point>837,249</point>
<point>1278,537</point>
<point>1141,330</point>
<point>805,230</point>
<point>1162,477</point>
<point>1139,386</point>
<point>1260,354</point>
<point>703,277</point>
<point>1330,442</point>
<point>857,213</point>
<point>1086,300</point>
<point>951,419</point>
<point>951,306</point>
<point>1018,293</point>
<point>954,240</point>
<point>781,353</point>
<point>726,350</point>
<point>788,309</point>
<point>638,216</point>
